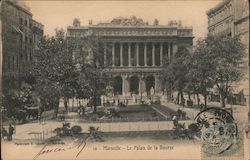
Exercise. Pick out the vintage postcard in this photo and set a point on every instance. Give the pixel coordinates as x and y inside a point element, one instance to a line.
<point>124,80</point>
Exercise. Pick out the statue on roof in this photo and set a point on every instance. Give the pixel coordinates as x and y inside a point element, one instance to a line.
<point>76,22</point>
<point>131,21</point>
<point>156,22</point>
<point>173,23</point>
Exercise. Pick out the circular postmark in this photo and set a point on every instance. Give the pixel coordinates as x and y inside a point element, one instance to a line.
<point>218,130</point>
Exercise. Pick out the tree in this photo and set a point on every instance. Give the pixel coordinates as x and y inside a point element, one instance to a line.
<point>175,72</point>
<point>217,62</point>
<point>200,71</point>
<point>227,54</point>
<point>92,80</point>
<point>54,69</point>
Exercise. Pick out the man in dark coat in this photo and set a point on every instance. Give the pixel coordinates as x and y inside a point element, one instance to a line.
<point>11,131</point>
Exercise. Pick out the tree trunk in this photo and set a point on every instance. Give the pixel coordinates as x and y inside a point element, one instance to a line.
<point>94,102</point>
<point>178,97</point>
<point>198,99</point>
<point>205,100</point>
<point>65,104</point>
<point>223,104</point>
<point>189,96</point>
<point>72,104</point>
<point>182,99</point>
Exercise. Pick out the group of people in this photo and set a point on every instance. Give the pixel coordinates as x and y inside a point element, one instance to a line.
<point>7,134</point>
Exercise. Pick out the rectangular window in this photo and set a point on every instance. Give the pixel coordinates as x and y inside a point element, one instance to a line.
<point>17,62</point>
<point>26,23</point>
<point>13,63</point>
<point>30,24</point>
<point>26,56</point>
<point>25,53</point>
<point>21,21</point>
<point>31,55</point>
<point>8,62</point>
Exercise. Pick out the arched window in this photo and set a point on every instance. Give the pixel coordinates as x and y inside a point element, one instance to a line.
<point>134,85</point>
<point>117,85</point>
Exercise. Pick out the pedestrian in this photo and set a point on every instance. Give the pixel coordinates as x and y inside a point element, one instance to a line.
<point>4,133</point>
<point>175,121</point>
<point>79,111</point>
<point>11,131</point>
<point>66,105</point>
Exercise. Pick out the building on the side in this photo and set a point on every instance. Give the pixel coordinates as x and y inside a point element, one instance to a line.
<point>134,54</point>
<point>231,18</point>
<point>36,36</point>
<point>19,35</point>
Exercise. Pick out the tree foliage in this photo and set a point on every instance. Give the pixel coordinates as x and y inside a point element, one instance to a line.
<point>226,58</point>
<point>54,69</point>
<point>67,68</point>
<point>215,63</point>
<point>175,72</point>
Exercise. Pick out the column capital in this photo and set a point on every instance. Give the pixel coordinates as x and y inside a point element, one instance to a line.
<point>142,77</point>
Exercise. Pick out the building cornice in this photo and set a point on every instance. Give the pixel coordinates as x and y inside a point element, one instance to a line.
<point>241,19</point>
<point>218,7</point>
<point>40,25</point>
<point>128,31</point>
<point>19,7</point>
<point>130,27</point>
<point>221,21</point>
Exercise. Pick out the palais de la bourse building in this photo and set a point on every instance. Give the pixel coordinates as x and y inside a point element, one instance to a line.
<point>134,54</point>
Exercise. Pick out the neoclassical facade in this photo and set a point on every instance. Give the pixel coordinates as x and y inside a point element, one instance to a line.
<point>134,54</point>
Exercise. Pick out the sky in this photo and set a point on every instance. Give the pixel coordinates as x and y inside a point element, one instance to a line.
<point>60,14</point>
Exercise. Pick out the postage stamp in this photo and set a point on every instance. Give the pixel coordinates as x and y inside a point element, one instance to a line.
<point>219,132</point>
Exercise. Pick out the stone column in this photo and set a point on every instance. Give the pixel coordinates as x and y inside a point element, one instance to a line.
<point>169,51</point>
<point>137,54</point>
<point>142,86</point>
<point>144,93</point>
<point>129,54</point>
<point>125,85</point>
<point>145,54</point>
<point>153,54</point>
<point>105,55</point>
<point>113,54</point>
<point>161,53</point>
<point>157,85</point>
<point>174,48</point>
<point>121,54</point>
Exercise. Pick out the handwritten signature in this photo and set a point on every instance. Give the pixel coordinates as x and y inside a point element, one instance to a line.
<point>76,144</point>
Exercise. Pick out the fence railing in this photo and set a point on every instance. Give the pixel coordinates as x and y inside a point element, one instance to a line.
<point>130,126</point>
<point>121,119</point>
<point>40,137</point>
